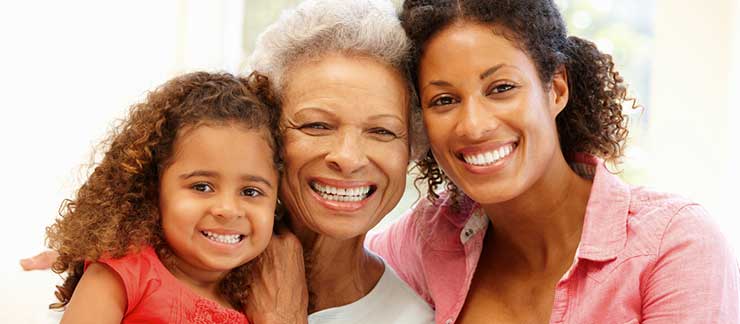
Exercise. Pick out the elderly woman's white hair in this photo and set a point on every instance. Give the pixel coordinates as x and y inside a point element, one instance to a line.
<point>315,28</point>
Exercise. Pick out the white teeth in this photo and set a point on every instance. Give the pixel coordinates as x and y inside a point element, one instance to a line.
<point>489,157</point>
<point>227,239</point>
<point>341,194</point>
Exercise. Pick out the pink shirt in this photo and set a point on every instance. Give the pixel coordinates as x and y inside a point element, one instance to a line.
<point>644,257</point>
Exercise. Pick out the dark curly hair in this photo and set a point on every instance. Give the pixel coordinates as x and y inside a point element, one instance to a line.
<point>116,211</point>
<point>592,121</point>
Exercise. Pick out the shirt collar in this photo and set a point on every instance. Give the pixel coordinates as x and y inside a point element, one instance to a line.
<point>604,232</point>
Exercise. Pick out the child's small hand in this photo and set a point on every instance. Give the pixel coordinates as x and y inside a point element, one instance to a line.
<point>278,292</point>
<point>41,261</point>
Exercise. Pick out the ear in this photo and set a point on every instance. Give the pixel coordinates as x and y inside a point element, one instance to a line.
<point>559,91</point>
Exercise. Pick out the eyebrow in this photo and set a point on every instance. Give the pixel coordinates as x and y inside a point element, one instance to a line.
<point>383,116</point>
<point>332,115</point>
<point>211,174</point>
<point>490,71</point>
<point>485,74</point>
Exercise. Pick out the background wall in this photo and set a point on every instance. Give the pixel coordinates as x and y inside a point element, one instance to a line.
<point>68,69</point>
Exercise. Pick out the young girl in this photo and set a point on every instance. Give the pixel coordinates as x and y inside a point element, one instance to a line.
<point>164,228</point>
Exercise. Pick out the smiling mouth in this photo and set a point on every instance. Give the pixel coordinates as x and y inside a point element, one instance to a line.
<point>225,239</point>
<point>353,194</point>
<point>489,157</point>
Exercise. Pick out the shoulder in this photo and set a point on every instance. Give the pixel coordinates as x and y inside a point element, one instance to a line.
<point>390,301</point>
<point>693,271</point>
<point>407,305</point>
<point>99,297</point>
<point>396,291</point>
<point>663,215</point>
<point>675,227</point>
<point>101,277</point>
<point>136,265</point>
<point>140,273</point>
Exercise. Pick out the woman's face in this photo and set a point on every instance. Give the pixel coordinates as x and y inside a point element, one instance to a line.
<point>345,123</point>
<point>490,121</point>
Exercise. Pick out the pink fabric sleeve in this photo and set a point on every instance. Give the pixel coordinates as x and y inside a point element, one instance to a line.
<point>399,247</point>
<point>695,277</point>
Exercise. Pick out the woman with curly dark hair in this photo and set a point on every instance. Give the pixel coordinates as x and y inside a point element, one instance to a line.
<point>530,226</point>
<point>164,228</point>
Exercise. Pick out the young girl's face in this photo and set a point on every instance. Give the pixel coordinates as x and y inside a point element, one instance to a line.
<point>217,197</point>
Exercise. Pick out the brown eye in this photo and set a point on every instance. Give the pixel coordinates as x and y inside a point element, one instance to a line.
<point>314,128</point>
<point>443,101</point>
<point>501,88</point>
<point>251,192</point>
<point>383,132</point>
<point>202,187</point>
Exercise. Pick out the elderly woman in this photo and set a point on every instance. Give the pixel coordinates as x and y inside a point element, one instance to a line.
<point>338,72</point>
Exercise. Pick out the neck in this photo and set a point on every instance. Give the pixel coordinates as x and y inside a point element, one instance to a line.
<point>540,229</point>
<point>338,271</point>
<point>203,283</point>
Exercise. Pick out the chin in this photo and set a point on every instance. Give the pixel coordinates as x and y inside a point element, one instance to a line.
<point>344,230</point>
<point>491,194</point>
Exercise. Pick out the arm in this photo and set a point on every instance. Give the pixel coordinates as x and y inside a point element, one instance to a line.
<point>278,293</point>
<point>695,278</point>
<point>41,261</point>
<point>99,297</point>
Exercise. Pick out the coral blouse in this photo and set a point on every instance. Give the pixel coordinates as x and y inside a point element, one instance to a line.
<point>154,295</point>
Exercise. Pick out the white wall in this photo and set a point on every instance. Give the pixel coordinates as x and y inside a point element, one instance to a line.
<point>693,136</point>
<point>67,70</point>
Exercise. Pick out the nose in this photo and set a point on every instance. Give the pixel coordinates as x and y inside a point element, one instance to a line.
<point>475,120</point>
<point>226,207</point>
<point>347,155</point>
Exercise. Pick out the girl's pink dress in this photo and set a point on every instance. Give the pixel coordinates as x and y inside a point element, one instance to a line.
<point>154,295</point>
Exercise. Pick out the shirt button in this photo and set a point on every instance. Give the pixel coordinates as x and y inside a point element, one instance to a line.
<point>448,321</point>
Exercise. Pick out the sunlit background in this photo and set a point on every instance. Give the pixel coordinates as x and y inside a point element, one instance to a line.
<point>69,69</point>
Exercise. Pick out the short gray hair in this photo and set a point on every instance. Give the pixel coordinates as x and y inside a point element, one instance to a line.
<point>315,28</point>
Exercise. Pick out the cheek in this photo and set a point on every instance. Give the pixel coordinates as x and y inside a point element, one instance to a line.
<point>177,209</point>
<point>392,158</point>
<point>438,130</point>
<point>262,226</point>
<point>290,194</point>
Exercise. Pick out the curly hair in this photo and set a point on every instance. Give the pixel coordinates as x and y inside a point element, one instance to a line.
<point>116,211</point>
<point>592,121</point>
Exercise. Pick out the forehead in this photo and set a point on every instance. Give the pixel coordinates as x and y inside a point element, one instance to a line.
<point>471,45</point>
<point>346,84</point>
<point>227,146</point>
